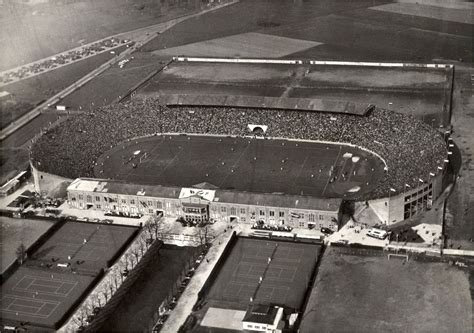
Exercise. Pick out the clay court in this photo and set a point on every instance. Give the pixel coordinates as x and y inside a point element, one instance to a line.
<point>366,292</point>
<point>244,164</point>
<point>284,279</point>
<point>41,297</point>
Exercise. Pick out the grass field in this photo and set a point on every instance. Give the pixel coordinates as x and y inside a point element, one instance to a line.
<point>284,279</point>
<point>348,30</point>
<point>14,232</point>
<point>91,244</point>
<point>40,297</point>
<point>135,311</point>
<point>41,87</point>
<point>356,293</point>
<point>113,83</point>
<point>39,31</point>
<point>243,164</point>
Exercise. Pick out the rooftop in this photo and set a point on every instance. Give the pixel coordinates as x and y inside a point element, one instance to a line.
<point>226,196</point>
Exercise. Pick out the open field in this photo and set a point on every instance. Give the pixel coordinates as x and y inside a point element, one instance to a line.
<point>460,205</point>
<point>39,31</point>
<point>113,83</point>
<point>14,232</point>
<point>348,30</point>
<point>87,246</point>
<point>39,88</point>
<point>356,293</point>
<point>284,278</point>
<point>41,297</point>
<point>144,298</point>
<point>243,164</point>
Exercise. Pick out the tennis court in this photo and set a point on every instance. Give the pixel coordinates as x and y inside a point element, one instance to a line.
<point>88,246</point>
<point>44,290</point>
<point>40,297</point>
<point>267,271</point>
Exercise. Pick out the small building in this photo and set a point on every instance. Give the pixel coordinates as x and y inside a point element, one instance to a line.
<point>263,318</point>
<point>204,204</point>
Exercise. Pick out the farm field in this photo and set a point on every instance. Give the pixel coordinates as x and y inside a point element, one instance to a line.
<point>361,292</point>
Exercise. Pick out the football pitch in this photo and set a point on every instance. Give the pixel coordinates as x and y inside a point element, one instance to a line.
<point>244,164</point>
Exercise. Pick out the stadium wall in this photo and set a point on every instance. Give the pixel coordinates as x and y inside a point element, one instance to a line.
<point>405,205</point>
<point>46,183</point>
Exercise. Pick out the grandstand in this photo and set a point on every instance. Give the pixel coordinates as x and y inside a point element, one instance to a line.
<point>413,154</point>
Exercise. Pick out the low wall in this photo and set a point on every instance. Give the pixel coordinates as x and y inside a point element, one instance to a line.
<point>312,62</point>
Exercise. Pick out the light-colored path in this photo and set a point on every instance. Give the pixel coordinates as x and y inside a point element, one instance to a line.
<point>190,295</point>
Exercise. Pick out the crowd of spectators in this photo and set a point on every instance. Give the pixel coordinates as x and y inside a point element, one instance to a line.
<point>411,149</point>
<point>62,59</point>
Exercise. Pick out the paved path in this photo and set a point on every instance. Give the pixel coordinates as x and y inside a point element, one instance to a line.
<point>190,295</point>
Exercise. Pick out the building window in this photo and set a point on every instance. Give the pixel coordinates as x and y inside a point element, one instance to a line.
<point>132,201</point>
<point>242,211</point>
<point>272,213</point>
<point>262,212</point>
<point>282,214</point>
<point>311,217</point>
<point>150,203</point>
<point>301,224</point>
<point>124,201</point>
<point>81,197</point>
<point>97,206</point>
<point>233,211</point>
<point>242,219</point>
<point>223,209</point>
<point>89,198</point>
<point>97,198</point>
<point>321,217</point>
<point>73,198</point>
<point>150,211</point>
<point>159,204</point>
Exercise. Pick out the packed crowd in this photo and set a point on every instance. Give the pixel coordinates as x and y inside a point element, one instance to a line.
<point>411,148</point>
<point>61,59</point>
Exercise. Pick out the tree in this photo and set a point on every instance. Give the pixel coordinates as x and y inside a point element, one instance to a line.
<point>154,225</point>
<point>205,234</point>
<point>21,253</point>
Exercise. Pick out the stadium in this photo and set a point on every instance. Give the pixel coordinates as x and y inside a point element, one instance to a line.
<point>270,147</point>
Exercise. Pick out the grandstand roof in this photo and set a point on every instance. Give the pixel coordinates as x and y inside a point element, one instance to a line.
<point>287,103</point>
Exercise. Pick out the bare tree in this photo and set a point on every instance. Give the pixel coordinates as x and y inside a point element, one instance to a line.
<point>154,225</point>
<point>21,253</point>
<point>205,235</point>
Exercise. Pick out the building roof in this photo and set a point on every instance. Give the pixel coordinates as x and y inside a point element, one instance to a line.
<point>224,196</point>
<point>118,187</point>
<point>260,313</point>
<point>278,200</point>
